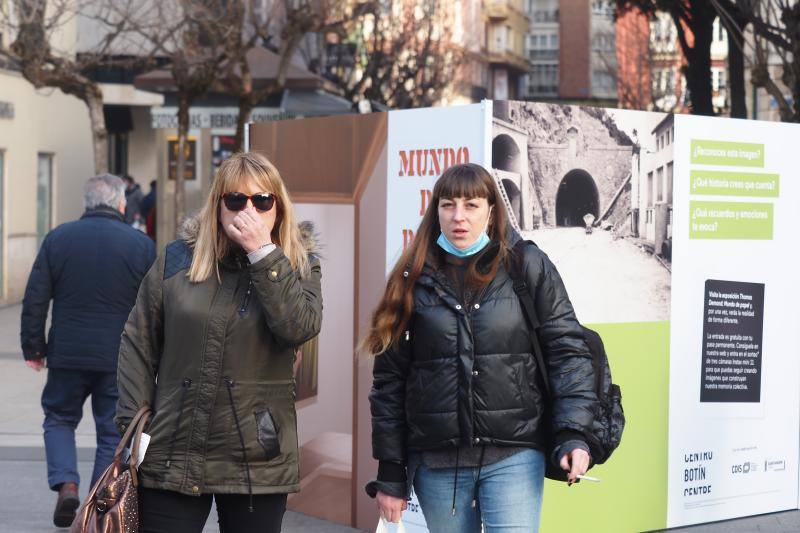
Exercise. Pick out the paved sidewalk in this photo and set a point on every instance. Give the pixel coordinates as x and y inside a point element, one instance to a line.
<point>26,503</point>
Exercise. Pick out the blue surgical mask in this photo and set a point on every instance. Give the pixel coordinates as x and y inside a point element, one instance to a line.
<point>474,248</point>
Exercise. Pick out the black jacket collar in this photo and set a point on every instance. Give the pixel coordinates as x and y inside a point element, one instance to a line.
<point>103,211</point>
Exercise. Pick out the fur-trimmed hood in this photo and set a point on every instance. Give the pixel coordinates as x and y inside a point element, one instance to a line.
<point>308,234</point>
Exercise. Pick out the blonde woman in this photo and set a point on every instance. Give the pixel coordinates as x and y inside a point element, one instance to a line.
<point>210,345</point>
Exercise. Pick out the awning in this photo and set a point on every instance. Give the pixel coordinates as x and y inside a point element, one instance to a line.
<point>263,67</point>
<point>313,104</point>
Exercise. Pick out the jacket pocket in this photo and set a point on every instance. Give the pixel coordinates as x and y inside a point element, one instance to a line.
<point>268,434</point>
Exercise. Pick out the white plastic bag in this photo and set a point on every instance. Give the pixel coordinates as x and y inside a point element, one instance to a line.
<point>383,527</point>
<point>142,450</point>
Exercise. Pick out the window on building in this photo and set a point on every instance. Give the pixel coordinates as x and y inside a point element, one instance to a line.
<point>659,82</point>
<point>118,153</point>
<point>44,195</point>
<point>554,41</point>
<point>649,190</point>
<point>543,80</point>
<point>669,183</point>
<point>659,192</point>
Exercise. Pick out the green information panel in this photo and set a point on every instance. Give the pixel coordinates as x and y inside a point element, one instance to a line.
<point>726,153</point>
<point>732,183</point>
<point>731,220</point>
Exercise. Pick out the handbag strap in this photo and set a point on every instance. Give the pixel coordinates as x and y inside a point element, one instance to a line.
<point>145,409</point>
<point>528,308</point>
<point>137,438</point>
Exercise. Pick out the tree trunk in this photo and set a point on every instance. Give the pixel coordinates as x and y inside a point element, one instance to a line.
<point>736,68</point>
<point>94,101</point>
<point>793,26</point>
<point>245,107</point>
<point>183,132</point>
<point>699,67</point>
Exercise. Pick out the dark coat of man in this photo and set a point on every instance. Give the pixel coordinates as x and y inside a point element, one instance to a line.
<point>91,268</point>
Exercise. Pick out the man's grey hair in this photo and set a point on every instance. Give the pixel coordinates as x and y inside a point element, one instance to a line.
<point>105,189</point>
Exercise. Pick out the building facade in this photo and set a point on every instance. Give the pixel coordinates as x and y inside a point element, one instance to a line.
<point>507,26</point>
<point>45,158</point>
<point>542,47</point>
<point>652,183</point>
<point>572,50</point>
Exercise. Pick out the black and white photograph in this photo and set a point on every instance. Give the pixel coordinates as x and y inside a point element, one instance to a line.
<point>593,188</point>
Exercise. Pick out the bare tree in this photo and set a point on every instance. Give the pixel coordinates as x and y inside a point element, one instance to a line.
<point>776,30</point>
<point>398,53</point>
<point>194,37</point>
<point>287,23</point>
<point>34,27</point>
<point>694,22</point>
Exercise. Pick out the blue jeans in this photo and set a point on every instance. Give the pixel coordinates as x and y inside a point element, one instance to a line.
<point>509,496</point>
<point>62,400</point>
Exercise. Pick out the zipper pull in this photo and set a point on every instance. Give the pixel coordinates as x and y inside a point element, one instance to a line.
<point>228,382</point>
<point>246,300</point>
<point>408,336</point>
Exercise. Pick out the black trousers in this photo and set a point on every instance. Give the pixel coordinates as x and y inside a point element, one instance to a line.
<point>166,511</point>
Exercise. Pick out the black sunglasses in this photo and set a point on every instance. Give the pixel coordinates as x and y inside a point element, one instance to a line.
<point>236,201</point>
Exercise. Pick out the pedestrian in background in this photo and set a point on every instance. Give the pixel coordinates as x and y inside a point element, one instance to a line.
<point>147,210</point>
<point>210,346</point>
<point>91,270</point>
<point>133,197</point>
<point>456,401</point>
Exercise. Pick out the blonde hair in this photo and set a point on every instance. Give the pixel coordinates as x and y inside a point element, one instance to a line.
<point>212,243</point>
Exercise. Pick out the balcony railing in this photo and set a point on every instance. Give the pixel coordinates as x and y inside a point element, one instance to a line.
<point>510,59</point>
<point>542,55</point>
<point>542,90</point>
<point>499,9</point>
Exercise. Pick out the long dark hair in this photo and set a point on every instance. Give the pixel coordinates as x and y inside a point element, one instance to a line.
<point>391,317</point>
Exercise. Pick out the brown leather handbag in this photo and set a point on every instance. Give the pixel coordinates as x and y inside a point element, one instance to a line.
<point>112,505</point>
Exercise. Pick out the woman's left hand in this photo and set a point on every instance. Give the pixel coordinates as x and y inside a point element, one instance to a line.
<point>576,463</point>
<point>249,230</point>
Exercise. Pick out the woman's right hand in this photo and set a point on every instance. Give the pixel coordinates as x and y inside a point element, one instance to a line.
<point>390,507</point>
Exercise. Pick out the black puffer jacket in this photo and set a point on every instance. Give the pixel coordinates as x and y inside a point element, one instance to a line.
<point>468,376</point>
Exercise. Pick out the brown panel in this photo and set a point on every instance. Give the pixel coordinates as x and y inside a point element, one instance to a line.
<point>370,284</point>
<point>323,159</point>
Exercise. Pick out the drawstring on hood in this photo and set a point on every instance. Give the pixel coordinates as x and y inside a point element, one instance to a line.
<point>229,383</point>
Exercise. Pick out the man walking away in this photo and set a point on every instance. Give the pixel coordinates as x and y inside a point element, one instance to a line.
<point>91,269</point>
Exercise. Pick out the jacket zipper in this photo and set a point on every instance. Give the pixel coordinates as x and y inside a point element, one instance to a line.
<point>246,299</point>
<point>476,301</point>
<point>187,383</point>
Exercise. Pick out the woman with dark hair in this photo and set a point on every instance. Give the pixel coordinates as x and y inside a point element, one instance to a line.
<point>457,404</point>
